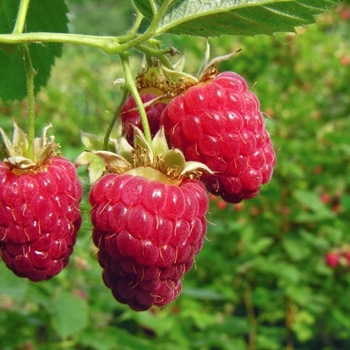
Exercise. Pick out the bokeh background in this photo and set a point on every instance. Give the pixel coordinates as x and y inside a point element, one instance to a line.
<point>261,280</point>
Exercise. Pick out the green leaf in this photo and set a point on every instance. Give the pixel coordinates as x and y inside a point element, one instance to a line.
<point>11,285</point>
<point>42,16</point>
<point>296,248</point>
<point>111,338</point>
<point>235,17</point>
<point>71,314</point>
<point>313,202</point>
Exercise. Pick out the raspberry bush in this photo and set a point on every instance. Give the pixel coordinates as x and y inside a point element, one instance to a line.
<point>146,204</point>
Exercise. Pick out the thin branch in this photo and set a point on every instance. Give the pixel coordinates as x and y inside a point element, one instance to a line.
<point>130,85</point>
<point>30,74</point>
<point>21,16</point>
<point>114,119</point>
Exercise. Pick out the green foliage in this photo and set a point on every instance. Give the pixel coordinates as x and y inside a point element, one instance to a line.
<point>244,17</point>
<point>42,16</point>
<point>260,281</point>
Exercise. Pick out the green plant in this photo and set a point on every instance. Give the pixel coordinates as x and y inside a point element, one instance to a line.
<point>261,279</point>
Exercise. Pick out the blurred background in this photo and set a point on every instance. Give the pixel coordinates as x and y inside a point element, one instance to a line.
<point>262,280</point>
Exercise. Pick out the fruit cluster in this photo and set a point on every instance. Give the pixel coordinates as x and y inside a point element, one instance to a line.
<point>148,201</point>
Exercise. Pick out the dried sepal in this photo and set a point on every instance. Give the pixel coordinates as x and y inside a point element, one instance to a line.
<point>168,83</point>
<point>8,147</point>
<point>17,150</point>
<point>20,162</point>
<point>114,162</point>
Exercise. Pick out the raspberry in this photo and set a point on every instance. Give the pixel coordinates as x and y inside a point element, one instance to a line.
<point>219,123</point>
<point>131,117</point>
<point>148,232</point>
<point>332,259</point>
<point>39,218</point>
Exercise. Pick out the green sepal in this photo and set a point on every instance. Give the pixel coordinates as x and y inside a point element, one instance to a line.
<point>96,167</point>
<point>157,156</point>
<point>159,143</point>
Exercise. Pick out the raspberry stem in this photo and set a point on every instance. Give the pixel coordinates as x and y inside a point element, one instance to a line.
<point>130,86</point>
<point>115,116</point>
<point>30,74</point>
<point>21,17</point>
<point>158,54</point>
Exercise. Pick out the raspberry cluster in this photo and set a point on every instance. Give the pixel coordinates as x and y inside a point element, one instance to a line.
<point>39,218</point>
<point>148,234</point>
<point>148,207</point>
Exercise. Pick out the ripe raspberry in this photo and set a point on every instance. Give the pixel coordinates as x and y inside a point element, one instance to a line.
<point>39,218</point>
<point>131,116</point>
<point>332,259</point>
<point>219,124</point>
<point>148,232</point>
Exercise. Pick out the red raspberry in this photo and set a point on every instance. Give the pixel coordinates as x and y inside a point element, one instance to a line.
<point>39,218</point>
<point>148,233</point>
<point>219,124</point>
<point>131,116</point>
<point>332,259</point>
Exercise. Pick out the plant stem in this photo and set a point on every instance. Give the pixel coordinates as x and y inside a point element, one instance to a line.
<point>153,7</point>
<point>139,18</point>
<point>21,16</point>
<point>251,316</point>
<point>30,74</point>
<point>151,31</point>
<point>109,44</point>
<point>114,119</point>
<point>130,86</point>
<point>159,54</point>
<point>289,324</point>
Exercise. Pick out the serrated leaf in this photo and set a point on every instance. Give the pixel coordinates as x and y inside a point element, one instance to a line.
<point>71,314</point>
<point>43,16</point>
<point>235,17</point>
